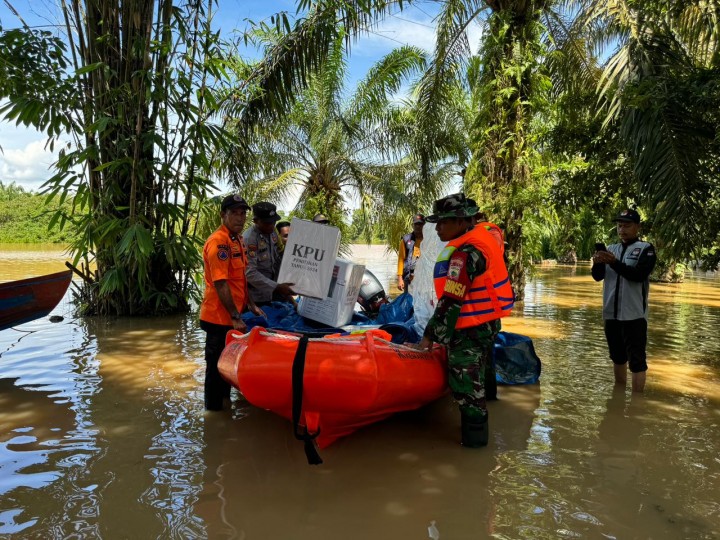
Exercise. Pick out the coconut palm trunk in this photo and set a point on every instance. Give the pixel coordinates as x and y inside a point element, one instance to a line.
<point>499,172</point>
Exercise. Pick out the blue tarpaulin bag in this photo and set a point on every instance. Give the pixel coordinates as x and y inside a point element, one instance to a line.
<point>402,332</point>
<point>282,316</point>
<point>397,318</point>
<point>400,310</point>
<point>515,359</point>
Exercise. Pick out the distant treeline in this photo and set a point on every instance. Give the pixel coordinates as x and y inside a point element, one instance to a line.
<point>25,216</point>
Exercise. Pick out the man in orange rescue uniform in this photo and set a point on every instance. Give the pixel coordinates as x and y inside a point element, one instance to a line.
<point>226,294</point>
<point>474,292</point>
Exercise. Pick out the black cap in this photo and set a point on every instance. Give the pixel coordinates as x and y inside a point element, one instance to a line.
<point>232,201</point>
<point>419,218</point>
<point>320,218</point>
<point>628,216</point>
<point>265,211</point>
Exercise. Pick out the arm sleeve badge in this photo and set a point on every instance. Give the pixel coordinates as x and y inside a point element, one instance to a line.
<point>457,282</point>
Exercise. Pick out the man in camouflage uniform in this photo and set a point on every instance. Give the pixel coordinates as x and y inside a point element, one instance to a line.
<point>469,348</point>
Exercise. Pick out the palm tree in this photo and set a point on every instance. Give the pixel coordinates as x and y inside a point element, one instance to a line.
<point>660,90</point>
<point>658,86</point>
<point>129,87</point>
<point>510,73</point>
<point>334,144</point>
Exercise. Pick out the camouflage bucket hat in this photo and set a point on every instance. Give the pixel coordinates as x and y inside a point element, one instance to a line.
<point>452,206</point>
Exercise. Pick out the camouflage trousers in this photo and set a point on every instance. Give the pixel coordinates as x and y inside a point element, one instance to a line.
<point>469,357</point>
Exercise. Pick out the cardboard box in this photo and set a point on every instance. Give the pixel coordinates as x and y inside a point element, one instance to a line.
<point>337,308</point>
<point>309,257</point>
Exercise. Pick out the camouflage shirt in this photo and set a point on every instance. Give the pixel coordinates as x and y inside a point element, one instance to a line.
<point>441,326</point>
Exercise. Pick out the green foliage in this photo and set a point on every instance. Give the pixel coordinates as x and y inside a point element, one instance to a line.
<point>358,231</point>
<point>336,142</point>
<point>643,129</point>
<point>137,106</point>
<point>33,80</point>
<point>589,174</point>
<point>512,87</point>
<point>25,217</point>
<point>554,143</point>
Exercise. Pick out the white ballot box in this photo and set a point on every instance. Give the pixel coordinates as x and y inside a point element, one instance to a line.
<point>309,257</point>
<point>338,306</point>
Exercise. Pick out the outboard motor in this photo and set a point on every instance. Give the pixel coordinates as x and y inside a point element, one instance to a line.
<point>371,295</point>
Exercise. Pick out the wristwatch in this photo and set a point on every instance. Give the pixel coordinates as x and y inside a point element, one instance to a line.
<point>236,315</point>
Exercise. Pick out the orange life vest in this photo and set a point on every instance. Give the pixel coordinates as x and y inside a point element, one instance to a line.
<point>490,295</point>
<point>495,231</point>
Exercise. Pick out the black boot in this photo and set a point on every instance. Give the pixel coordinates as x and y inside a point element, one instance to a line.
<point>475,431</point>
<point>490,384</point>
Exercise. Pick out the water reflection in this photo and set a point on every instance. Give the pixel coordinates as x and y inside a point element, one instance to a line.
<point>102,434</point>
<point>381,483</point>
<point>632,447</point>
<point>147,420</point>
<point>47,436</point>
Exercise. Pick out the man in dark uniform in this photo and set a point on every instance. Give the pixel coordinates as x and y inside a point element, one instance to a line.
<point>265,250</point>
<point>625,269</point>
<point>474,292</point>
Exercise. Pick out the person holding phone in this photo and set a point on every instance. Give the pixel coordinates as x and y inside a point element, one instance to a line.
<point>625,270</point>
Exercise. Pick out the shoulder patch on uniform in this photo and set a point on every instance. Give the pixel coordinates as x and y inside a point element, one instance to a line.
<point>455,289</point>
<point>445,253</point>
<point>651,252</point>
<point>223,254</point>
<point>223,246</point>
<point>636,251</point>
<point>456,266</point>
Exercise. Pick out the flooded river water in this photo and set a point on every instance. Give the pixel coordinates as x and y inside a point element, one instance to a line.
<point>103,435</point>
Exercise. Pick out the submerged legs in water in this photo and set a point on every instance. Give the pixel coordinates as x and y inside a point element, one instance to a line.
<point>638,379</point>
<point>627,342</point>
<point>469,359</point>
<point>216,389</point>
<point>474,430</point>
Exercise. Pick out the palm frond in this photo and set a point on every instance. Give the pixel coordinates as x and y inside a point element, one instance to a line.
<point>300,52</point>
<point>570,62</point>
<point>437,88</point>
<point>383,80</point>
<point>670,146</point>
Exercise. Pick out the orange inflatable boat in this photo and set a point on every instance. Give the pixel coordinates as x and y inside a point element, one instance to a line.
<point>333,385</point>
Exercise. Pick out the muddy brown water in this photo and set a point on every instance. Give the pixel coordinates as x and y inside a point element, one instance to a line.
<point>103,435</point>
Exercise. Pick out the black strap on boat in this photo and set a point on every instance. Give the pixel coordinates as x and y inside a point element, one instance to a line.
<point>301,432</point>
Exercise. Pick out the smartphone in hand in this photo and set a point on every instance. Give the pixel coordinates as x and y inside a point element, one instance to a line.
<point>600,246</point>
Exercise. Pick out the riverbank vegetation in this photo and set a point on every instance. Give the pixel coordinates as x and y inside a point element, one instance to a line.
<point>26,218</point>
<point>569,111</point>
